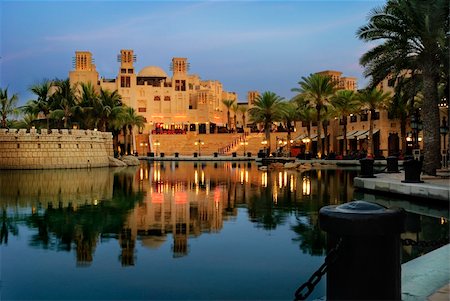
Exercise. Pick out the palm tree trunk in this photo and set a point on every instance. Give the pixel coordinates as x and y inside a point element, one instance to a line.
<point>403,133</point>
<point>430,115</point>
<point>370,144</point>
<point>267,134</point>
<point>288,138</point>
<point>344,147</point>
<point>125,144</point>
<point>325,134</point>
<point>308,130</point>
<point>319,133</point>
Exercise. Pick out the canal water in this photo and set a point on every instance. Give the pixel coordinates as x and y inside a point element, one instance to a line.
<point>176,231</point>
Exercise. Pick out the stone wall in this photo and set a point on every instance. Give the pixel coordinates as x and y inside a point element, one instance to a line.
<point>33,149</point>
<point>31,188</point>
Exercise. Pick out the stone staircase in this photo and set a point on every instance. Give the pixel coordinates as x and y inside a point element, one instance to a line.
<point>184,144</point>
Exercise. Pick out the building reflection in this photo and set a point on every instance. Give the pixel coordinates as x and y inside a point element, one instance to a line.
<point>160,203</point>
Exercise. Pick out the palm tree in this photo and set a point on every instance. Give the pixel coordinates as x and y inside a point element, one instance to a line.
<point>289,116</point>
<point>327,114</point>
<point>131,119</point>
<point>372,100</point>
<point>7,105</point>
<point>243,110</point>
<point>345,103</point>
<point>403,103</point>
<point>91,106</point>
<point>317,89</point>
<point>28,120</point>
<point>65,101</point>
<point>228,103</point>
<point>268,107</point>
<point>306,115</point>
<point>111,106</point>
<point>413,37</point>
<point>235,109</point>
<point>42,104</point>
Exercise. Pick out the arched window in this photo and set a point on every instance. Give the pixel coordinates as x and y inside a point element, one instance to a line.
<point>157,98</point>
<point>166,98</point>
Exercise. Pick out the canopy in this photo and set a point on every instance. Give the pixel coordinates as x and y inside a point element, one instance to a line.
<point>349,134</point>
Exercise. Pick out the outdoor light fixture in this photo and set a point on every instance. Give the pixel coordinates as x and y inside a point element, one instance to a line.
<point>443,130</point>
<point>143,146</point>
<point>156,144</point>
<point>244,143</point>
<point>199,143</point>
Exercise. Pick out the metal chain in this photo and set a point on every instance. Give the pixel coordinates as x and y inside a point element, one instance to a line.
<point>425,243</point>
<point>332,256</point>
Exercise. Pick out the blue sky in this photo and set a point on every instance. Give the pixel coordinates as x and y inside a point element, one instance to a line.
<point>247,45</point>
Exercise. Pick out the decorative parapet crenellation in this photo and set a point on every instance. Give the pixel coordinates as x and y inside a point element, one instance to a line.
<point>55,148</point>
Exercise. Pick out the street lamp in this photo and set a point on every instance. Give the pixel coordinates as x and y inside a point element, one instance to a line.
<point>244,143</point>
<point>306,141</point>
<point>199,143</point>
<point>264,144</point>
<point>156,144</point>
<point>443,130</point>
<point>143,146</point>
<point>416,126</point>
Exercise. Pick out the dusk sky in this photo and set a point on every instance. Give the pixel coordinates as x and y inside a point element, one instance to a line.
<point>247,45</point>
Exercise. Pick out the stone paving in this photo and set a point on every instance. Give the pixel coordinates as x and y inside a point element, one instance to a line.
<point>426,277</point>
<point>437,188</point>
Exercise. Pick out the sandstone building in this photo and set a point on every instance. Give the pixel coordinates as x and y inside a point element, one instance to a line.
<point>178,103</point>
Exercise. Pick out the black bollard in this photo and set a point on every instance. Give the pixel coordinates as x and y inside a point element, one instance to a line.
<point>368,257</point>
<point>366,168</point>
<point>412,168</point>
<point>392,164</point>
<point>177,155</point>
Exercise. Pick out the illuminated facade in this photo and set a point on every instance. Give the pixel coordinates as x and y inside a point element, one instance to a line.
<point>386,129</point>
<point>180,103</point>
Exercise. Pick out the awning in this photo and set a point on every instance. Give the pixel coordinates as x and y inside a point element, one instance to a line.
<point>349,134</point>
<point>314,138</point>
<point>300,137</point>
<point>365,135</point>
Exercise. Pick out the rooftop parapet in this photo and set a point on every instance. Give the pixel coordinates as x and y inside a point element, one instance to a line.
<point>53,132</point>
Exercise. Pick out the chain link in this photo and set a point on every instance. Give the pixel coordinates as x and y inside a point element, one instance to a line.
<point>307,288</point>
<point>425,243</point>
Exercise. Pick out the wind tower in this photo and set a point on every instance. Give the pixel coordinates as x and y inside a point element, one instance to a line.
<point>84,69</point>
<point>127,76</point>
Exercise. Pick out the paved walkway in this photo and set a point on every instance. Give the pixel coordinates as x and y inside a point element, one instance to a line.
<point>426,277</point>
<point>437,188</point>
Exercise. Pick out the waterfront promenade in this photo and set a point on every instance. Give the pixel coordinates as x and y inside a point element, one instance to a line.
<point>426,277</point>
<point>432,188</point>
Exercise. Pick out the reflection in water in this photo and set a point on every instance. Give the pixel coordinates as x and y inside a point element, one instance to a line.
<point>425,222</point>
<point>72,209</point>
<point>164,206</point>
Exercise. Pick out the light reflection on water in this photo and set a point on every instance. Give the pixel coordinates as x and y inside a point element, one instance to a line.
<point>166,230</point>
